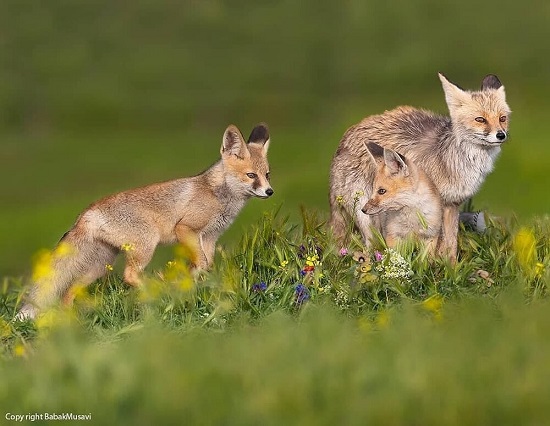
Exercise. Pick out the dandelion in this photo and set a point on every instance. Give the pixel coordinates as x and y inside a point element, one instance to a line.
<point>127,247</point>
<point>344,251</point>
<point>301,294</point>
<point>259,287</point>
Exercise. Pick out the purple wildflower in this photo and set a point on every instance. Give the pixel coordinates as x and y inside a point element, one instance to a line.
<point>344,251</point>
<point>259,287</point>
<point>302,294</point>
<point>378,256</point>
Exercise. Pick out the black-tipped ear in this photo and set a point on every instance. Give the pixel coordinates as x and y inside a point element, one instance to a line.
<point>491,81</point>
<point>259,134</point>
<point>376,150</point>
<point>446,82</point>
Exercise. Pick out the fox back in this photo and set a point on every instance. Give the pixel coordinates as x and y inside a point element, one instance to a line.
<point>403,199</point>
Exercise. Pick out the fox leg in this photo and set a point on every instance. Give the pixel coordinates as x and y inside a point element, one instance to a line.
<point>208,245</point>
<point>188,237</point>
<point>449,244</point>
<point>431,246</point>
<point>364,223</point>
<point>102,256</point>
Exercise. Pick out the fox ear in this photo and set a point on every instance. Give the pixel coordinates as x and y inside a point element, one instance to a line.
<point>233,143</point>
<point>375,152</point>
<point>395,162</point>
<point>491,81</point>
<point>454,95</point>
<point>260,134</point>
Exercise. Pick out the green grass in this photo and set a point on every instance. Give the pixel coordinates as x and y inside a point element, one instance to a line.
<point>446,345</point>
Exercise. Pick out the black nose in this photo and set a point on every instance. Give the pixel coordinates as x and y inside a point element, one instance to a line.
<point>269,192</point>
<point>364,210</point>
<point>501,135</point>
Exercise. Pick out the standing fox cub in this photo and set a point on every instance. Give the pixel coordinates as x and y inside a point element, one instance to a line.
<point>456,152</point>
<point>404,202</point>
<point>194,211</point>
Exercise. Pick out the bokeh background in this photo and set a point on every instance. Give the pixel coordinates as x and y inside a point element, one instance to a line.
<point>101,96</point>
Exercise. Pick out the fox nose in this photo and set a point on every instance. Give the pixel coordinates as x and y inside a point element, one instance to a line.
<point>269,192</point>
<point>501,135</point>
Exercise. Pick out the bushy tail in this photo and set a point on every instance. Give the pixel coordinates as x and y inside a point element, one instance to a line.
<point>76,257</point>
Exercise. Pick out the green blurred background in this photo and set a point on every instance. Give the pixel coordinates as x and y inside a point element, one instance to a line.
<point>101,96</point>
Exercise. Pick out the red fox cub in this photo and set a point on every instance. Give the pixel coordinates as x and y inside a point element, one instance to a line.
<point>456,152</point>
<point>404,202</point>
<point>194,211</point>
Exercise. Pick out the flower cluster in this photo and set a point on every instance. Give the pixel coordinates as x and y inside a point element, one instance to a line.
<point>393,266</point>
<point>311,263</point>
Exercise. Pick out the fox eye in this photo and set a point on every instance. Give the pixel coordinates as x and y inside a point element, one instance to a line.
<point>502,119</point>
<point>252,175</point>
<point>267,175</point>
<point>480,120</point>
<point>381,191</point>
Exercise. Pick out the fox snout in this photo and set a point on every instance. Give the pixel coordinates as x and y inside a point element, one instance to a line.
<point>371,207</point>
<point>501,135</point>
<point>265,194</point>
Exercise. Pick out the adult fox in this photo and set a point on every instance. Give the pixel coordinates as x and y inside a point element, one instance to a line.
<point>456,152</point>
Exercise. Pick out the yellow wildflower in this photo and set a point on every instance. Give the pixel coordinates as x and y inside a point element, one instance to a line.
<point>284,264</point>
<point>524,246</point>
<point>63,249</point>
<point>434,304</point>
<point>43,266</point>
<point>127,247</point>
<point>340,199</point>
<point>19,350</point>
<point>109,267</point>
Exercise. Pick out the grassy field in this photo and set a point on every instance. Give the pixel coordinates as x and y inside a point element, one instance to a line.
<point>102,96</point>
<point>290,329</point>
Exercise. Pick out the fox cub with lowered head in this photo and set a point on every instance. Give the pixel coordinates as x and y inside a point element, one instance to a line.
<point>194,211</point>
<point>404,202</point>
<point>456,152</point>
